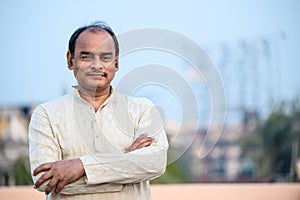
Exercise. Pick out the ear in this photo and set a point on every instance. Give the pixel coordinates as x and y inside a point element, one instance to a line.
<point>70,61</point>
<point>116,64</point>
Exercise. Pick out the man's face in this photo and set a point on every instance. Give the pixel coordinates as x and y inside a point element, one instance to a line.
<point>94,62</point>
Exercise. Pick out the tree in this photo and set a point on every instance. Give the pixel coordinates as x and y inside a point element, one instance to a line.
<point>270,145</point>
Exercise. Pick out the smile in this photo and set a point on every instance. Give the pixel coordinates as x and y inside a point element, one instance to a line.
<point>95,74</point>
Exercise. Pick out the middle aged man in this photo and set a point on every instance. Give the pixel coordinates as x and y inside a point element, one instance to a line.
<point>96,143</point>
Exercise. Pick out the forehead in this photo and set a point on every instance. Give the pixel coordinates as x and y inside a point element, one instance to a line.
<point>93,41</point>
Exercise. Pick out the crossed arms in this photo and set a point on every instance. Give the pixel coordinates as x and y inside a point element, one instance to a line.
<point>143,160</point>
<point>63,172</point>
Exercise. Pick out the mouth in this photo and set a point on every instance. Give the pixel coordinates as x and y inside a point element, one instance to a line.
<point>97,74</point>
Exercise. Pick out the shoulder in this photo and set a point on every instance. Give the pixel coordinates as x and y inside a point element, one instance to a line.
<point>135,102</point>
<point>52,106</point>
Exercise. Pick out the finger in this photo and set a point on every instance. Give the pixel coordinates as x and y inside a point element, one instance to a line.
<point>140,143</point>
<point>60,186</point>
<point>142,140</point>
<point>141,137</point>
<point>42,179</point>
<point>145,144</point>
<point>51,185</point>
<point>42,168</point>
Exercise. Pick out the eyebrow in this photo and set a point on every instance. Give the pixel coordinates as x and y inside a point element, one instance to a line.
<point>90,53</point>
<point>106,54</point>
<point>85,52</point>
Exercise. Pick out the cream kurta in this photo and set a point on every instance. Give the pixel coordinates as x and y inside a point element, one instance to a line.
<point>68,128</point>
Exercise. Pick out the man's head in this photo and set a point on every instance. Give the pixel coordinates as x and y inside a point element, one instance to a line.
<point>93,56</point>
<point>99,25</point>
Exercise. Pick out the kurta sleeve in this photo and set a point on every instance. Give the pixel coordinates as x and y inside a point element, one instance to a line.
<point>44,147</point>
<point>139,165</point>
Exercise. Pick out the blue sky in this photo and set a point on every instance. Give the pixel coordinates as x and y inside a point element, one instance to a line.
<point>34,36</point>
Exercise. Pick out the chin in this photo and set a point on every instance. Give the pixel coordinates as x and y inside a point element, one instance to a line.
<point>102,86</point>
<point>98,84</point>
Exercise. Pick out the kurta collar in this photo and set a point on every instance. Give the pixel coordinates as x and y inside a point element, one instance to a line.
<point>77,97</point>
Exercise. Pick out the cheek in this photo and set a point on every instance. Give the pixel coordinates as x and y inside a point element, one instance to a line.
<point>81,66</point>
<point>79,71</point>
<point>111,68</point>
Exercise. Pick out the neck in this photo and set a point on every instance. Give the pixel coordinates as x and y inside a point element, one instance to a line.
<point>95,97</point>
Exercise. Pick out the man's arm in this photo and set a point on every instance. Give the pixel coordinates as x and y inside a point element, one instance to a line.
<point>44,149</point>
<point>61,173</point>
<point>139,165</point>
<point>43,146</point>
<point>140,162</point>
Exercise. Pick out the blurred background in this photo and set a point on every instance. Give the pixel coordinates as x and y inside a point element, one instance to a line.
<point>255,46</point>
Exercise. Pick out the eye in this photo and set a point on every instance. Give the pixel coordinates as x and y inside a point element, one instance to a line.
<point>86,57</point>
<point>106,58</point>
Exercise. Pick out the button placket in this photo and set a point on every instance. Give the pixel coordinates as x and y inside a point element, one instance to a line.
<point>97,131</point>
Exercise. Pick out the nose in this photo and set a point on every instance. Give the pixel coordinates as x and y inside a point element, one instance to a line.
<point>97,64</point>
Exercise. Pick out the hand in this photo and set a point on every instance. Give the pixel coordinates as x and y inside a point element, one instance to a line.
<point>60,173</point>
<point>142,141</point>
